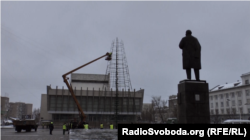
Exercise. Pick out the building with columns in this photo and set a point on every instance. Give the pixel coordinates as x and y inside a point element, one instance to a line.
<point>95,98</point>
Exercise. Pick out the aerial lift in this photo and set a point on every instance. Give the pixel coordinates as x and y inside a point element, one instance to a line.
<point>65,79</point>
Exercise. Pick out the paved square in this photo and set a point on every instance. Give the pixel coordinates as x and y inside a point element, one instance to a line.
<point>106,134</point>
<point>57,134</point>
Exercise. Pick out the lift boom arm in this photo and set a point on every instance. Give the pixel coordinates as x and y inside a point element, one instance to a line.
<point>70,88</point>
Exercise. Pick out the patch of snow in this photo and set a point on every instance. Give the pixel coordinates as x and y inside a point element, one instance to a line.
<point>7,121</point>
<point>7,126</point>
<point>14,118</point>
<point>78,134</point>
<point>227,85</point>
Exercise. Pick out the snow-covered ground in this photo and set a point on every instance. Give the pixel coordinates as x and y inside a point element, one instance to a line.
<point>6,126</point>
<point>78,134</point>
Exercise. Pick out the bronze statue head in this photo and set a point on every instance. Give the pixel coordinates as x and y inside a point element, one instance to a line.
<point>188,32</point>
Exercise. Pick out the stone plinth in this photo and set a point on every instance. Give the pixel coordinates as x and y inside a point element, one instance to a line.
<point>193,102</point>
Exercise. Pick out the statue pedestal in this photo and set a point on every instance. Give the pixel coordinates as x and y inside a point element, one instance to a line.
<point>193,102</point>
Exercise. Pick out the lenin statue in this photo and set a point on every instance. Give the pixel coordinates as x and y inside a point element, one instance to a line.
<point>191,54</point>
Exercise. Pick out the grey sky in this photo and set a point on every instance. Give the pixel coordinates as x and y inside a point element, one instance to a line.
<point>40,41</point>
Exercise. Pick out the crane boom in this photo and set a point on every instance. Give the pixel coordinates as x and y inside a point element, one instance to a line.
<point>83,116</point>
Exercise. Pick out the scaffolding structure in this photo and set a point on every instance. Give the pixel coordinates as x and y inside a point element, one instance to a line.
<point>118,67</point>
<point>118,72</point>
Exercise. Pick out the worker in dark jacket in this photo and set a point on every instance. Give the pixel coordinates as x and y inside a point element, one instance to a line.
<point>51,127</point>
<point>111,126</point>
<point>64,128</point>
<point>191,54</point>
<point>71,125</point>
<point>101,126</point>
<point>86,126</point>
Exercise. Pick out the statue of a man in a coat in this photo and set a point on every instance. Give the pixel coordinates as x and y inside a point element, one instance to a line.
<point>191,54</point>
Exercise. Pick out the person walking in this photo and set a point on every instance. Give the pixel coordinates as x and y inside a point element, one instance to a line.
<point>71,123</point>
<point>64,128</point>
<point>101,126</point>
<point>86,126</point>
<point>111,126</point>
<point>51,127</point>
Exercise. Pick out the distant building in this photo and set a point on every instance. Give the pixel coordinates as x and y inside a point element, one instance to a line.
<point>146,106</point>
<point>167,112</point>
<point>97,103</point>
<point>230,100</point>
<point>4,108</point>
<point>20,110</point>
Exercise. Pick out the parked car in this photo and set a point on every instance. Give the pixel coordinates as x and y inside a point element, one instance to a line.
<point>172,121</point>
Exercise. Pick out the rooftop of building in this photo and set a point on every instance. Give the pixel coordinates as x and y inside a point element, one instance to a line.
<point>16,103</point>
<point>20,103</point>
<point>245,74</point>
<point>4,97</point>
<point>89,77</point>
<point>229,85</point>
<point>172,97</point>
<point>226,86</point>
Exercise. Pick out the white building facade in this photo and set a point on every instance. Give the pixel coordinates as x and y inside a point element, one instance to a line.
<point>230,100</point>
<point>89,81</point>
<point>97,101</point>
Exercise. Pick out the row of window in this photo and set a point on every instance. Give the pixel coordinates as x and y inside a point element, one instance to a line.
<point>226,95</point>
<point>227,103</point>
<point>65,103</point>
<point>228,111</point>
<point>93,117</point>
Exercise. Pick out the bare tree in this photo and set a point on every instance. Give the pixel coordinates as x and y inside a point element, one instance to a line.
<point>147,114</point>
<point>160,107</point>
<point>36,114</point>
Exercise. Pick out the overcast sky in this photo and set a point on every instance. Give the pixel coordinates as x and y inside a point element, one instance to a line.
<point>40,41</point>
